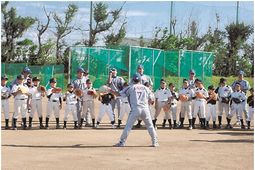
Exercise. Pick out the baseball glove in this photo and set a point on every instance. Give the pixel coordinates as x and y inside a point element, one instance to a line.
<point>213,96</point>
<point>23,90</point>
<point>42,88</point>
<point>104,89</point>
<point>90,92</point>
<point>183,97</point>
<point>56,90</point>
<point>78,92</point>
<point>166,107</point>
<point>199,95</point>
<point>225,100</point>
<point>236,100</point>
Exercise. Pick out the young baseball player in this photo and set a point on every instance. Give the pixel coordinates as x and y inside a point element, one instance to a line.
<point>200,97</point>
<point>173,106</point>
<point>5,95</point>
<point>36,101</point>
<point>163,98</point>
<point>71,100</point>
<point>185,96</point>
<point>211,107</point>
<point>224,93</point>
<point>250,102</point>
<point>138,95</point>
<point>54,103</point>
<point>237,99</point>
<point>125,107</point>
<point>20,93</point>
<point>151,101</point>
<point>105,107</point>
<point>89,94</point>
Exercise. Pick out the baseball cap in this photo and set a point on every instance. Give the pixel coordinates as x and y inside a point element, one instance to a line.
<point>251,89</point>
<point>4,77</point>
<point>136,77</point>
<point>185,80</point>
<point>21,76</point>
<point>211,87</point>
<point>140,66</point>
<point>35,78</point>
<point>223,80</point>
<point>88,81</point>
<point>162,81</point>
<point>80,70</point>
<point>70,85</point>
<point>192,71</point>
<point>241,72</point>
<point>113,69</point>
<point>27,70</point>
<point>53,80</point>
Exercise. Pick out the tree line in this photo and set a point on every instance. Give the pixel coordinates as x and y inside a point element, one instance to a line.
<point>231,46</point>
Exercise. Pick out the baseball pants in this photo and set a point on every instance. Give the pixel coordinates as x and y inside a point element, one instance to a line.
<point>36,106</point>
<point>236,109</point>
<point>5,108</point>
<point>186,108</point>
<point>88,111</point>
<point>144,113</point>
<point>20,106</point>
<point>79,109</point>
<point>52,107</point>
<point>250,114</point>
<point>223,107</point>
<point>199,106</point>
<point>211,112</point>
<point>173,111</point>
<point>105,109</point>
<point>125,108</point>
<point>160,105</point>
<point>70,108</point>
<point>116,102</point>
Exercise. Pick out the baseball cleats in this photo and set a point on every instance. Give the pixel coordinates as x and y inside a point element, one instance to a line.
<point>97,126</point>
<point>120,144</point>
<point>190,127</point>
<point>155,144</point>
<point>113,127</point>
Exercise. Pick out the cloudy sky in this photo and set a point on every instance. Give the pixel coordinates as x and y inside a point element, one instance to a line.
<point>142,17</point>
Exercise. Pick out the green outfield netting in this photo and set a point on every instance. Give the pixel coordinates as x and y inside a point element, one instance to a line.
<point>44,72</point>
<point>172,65</point>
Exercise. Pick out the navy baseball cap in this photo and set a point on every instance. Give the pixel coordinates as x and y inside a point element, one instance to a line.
<point>241,72</point>
<point>27,70</point>
<point>211,87</point>
<point>70,85</point>
<point>35,78</point>
<point>140,66</point>
<point>192,71</point>
<point>162,81</point>
<point>88,81</point>
<point>4,77</point>
<point>53,80</point>
<point>21,76</point>
<point>136,77</point>
<point>113,69</point>
<point>80,70</point>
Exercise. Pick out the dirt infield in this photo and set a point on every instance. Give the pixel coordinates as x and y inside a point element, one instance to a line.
<point>92,148</point>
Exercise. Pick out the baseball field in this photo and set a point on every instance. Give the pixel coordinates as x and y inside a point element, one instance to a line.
<point>89,148</point>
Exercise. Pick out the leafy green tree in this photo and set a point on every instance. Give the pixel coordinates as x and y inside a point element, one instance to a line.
<point>63,28</point>
<point>104,20</point>
<point>13,27</point>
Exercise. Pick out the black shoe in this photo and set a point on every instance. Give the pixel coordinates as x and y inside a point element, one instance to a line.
<point>138,125</point>
<point>243,127</point>
<point>24,121</point>
<point>214,126</point>
<point>175,126</point>
<point>6,124</point>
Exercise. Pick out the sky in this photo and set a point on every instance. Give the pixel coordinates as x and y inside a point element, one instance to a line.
<point>142,16</point>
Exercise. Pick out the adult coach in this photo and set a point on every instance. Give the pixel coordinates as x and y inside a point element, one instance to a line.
<point>26,72</point>
<point>138,96</point>
<point>192,78</point>
<point>116,84</point>
<point>245,86</point>
<point>144,79</point>
<point>79,83</point>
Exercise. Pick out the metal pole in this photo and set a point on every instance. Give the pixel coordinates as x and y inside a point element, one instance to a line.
<point>129,64</point>
<point>171,17</point>
<point>69,65</point>
<point>179,73</point>
<point>237,11</point>
<point>90,23</point>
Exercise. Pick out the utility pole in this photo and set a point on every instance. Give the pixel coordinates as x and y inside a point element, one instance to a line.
<point>171,17</point>
<point>90,23</point>
<point>237,11</point>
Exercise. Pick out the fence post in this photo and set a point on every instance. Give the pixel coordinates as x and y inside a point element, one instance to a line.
<point>179,65</point>
<point>129,63</point>
<point>69,65</point>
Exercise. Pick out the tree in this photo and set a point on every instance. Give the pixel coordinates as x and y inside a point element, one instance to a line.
<point>41,28</point>
<point>25,51</point>
<point>237,34</point>
<point>63,27</point>
<point>13,27</point>
<point>104,21</point>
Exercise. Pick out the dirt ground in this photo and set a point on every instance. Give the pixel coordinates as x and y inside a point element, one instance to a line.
<point>89,148</point>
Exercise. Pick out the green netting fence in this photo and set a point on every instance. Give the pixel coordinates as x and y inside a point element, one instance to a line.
<point>45,72</point>
<point>173,65</point>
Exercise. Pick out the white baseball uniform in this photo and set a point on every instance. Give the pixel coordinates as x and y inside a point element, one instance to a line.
<point>5,94</point>
<point>125,107</point>
<point>105,107</point>
<point>224,92</point>
<point>173,107</point>
<point>162,98</point>
<point>36,101</point>
<point>88,105</point>
<point>53,103</point>
<point>237,108</point>
<point>138,96</point>
<point>71,100</point>
<point>200,104</point>
<point>250,100</point>
<point>186,105</point>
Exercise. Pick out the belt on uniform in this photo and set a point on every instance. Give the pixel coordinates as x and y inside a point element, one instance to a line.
<point>106,103</point>
<point>163,101</point>
<point>125,102</point>
<point>20,99</point>
<point>36,99</point>
<point>172,103</point>
<point>71,104</point>
<point>200,100</point>
<point>54,100</point>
